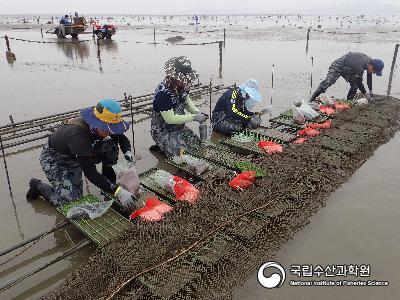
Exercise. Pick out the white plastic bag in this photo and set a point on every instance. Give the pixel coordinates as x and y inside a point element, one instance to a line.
<point>298,117</point>
<point>194,164</point>
<point>308,112</point>
<point>127,176</point>
<point>89,210</point>
<point>326,101</point>
<point>361,101</point>
<point>182,189</point>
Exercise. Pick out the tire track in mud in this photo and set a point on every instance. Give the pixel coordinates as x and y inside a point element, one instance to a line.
<point>297,184</point>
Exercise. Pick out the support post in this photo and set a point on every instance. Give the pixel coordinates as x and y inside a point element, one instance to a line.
<point>12,122</point>
<point>210,95</point>
<point>133,131</point>
<point>311,75</point>
<point>272,81</point>
<point>220,58</point>
<point>396,50</point>
<point>308,38</point>
<point>224,37</point>
<point>7,43</point>
<point>154,35</point>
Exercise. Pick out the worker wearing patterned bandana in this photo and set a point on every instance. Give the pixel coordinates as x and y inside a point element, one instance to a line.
<point>77,146</point>
<point>171,99</point>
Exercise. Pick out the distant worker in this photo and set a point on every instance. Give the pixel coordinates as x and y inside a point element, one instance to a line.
<point>78,145</point>
<point>64,21</point>
<point>171,99</point>
<point>351,67</point>
<point>232,113</point>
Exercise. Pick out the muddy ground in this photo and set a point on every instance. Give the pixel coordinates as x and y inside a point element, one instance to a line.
<point>213,246</point>
<point>55,76</point>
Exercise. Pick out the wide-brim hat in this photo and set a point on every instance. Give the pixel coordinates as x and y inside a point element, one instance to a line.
<point>251,87</point>
<point>180,68</point>
<point>107,116</point>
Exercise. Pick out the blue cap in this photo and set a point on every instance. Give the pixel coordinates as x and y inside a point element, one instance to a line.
<point>378,66</point>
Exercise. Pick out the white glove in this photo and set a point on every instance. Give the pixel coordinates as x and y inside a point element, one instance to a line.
<point>126,199</point>
<point>200,117</point>
<point>129,157</point>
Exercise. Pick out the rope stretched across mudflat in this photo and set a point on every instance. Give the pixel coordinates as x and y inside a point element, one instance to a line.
<point>203,251</point>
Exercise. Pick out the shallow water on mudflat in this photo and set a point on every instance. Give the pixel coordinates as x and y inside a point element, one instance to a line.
<point>55,77</point>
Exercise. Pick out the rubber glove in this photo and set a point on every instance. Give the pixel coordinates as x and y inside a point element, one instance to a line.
<point>129,157</point>
<point>126,199</point>
<point>200,117</point>
<point>255,121</point>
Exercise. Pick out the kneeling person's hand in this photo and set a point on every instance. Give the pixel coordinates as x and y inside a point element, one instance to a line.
<point>255,121</point>
<point>126,199</point>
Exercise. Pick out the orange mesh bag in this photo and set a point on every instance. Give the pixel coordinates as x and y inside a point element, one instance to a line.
<point>243,180</point>
<point>325,125</point>
<point>300,140</point>
<point>308,132</point>
<point>341,106</point>
<point>185,191</point>
<point>270,147</point>
<point>153,210</point>
<point>326,110</point>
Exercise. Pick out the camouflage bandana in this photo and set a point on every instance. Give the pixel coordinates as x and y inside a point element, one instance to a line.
<point>180,69</point>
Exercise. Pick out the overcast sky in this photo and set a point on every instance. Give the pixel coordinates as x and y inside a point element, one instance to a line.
<point>199,7</point>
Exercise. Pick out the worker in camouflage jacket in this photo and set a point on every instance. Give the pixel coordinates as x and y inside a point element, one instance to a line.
<point>77,146</point>
<point>351,67</point>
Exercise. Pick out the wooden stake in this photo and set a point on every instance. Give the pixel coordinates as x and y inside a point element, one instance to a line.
<point>220,58</point>
<point>396,50</point>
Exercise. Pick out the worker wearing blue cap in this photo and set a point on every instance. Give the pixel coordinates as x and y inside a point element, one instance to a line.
<point>351,67</point>
<point>76,147</point>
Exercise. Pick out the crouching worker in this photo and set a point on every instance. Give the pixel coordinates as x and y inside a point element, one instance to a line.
<point>232,113</point>
<point>171,99</point>
<point>351,67</point>
<point>77,146</point>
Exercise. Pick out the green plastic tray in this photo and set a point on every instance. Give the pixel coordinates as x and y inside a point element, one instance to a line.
<point>247,147</point>
<point>148,183</point>
<point>100,230</point>
<point>219,154</point>
<point>279,134</point>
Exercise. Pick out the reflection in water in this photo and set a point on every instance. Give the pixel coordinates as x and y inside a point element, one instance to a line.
<point>109,45</point>
<point>10,190</point>
<point>98,56</point>
<point>75,50</point>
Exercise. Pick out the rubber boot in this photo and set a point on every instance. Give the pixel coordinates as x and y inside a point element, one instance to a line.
<point>155,148</point>
<point>45,190</point>
<point>33,192</point>
<point>351,94</point>
<point>314,96</point>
